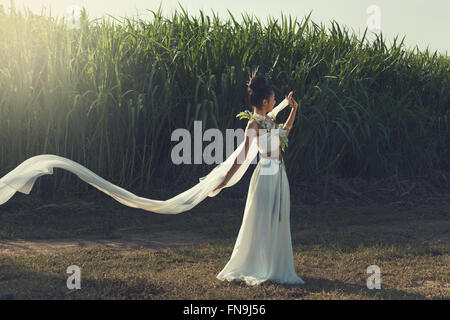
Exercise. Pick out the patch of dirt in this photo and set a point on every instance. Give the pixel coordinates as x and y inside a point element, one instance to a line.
<point>151,240</point>
<point>430,284</point>
<point>430,189</point>
<point>420,230</point>
<point>424,285</point>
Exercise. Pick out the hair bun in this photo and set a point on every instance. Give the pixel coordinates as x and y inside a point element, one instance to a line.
<point>257,83</point>
<point>258,90</point>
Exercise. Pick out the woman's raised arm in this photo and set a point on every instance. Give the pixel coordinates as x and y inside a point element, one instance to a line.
<point>290,121</point>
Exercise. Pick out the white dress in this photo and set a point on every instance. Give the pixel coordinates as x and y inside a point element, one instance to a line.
<point>263,249</point>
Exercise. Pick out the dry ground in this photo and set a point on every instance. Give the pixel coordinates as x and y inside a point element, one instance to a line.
<point>125,253</point>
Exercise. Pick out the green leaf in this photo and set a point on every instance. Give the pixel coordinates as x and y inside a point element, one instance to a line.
<point>245,115</point>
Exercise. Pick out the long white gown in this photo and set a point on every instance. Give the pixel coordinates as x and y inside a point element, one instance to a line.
<point>263,249</point>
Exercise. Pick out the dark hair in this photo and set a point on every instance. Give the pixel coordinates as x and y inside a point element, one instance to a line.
<point>258,90</point>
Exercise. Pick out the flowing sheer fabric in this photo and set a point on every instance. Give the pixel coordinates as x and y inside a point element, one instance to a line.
<point>23,177</point>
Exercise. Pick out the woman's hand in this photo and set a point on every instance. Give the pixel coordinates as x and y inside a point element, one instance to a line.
<point>291,100</point>
<point>223,184</point>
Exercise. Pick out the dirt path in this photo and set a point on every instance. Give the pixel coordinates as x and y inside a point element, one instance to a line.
<point>419,230</point>
<point>153,240</point>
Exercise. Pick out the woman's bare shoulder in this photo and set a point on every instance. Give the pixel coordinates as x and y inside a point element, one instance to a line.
<point>253,125</point>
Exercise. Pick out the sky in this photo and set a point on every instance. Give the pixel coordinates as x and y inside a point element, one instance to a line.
<point>422,22</point>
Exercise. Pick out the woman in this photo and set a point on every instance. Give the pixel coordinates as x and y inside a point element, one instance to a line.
<point>263,249</point>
